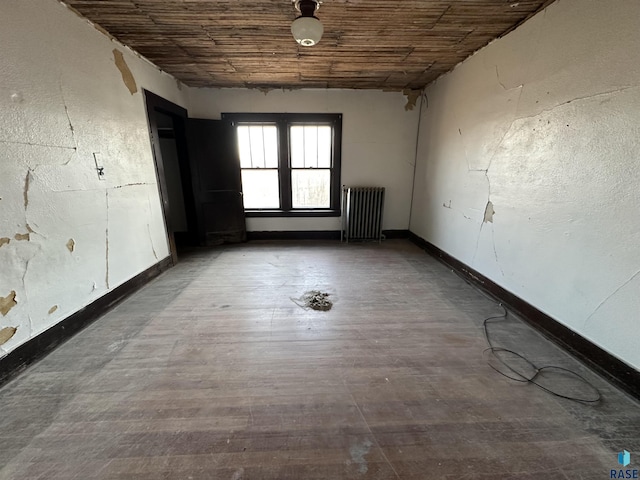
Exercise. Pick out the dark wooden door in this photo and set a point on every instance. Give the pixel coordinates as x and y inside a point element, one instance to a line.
<point>217,184</point>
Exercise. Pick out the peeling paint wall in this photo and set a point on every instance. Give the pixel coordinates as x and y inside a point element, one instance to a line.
<point>531,145</point>
<point>64,99</point>
<point>378,141</point>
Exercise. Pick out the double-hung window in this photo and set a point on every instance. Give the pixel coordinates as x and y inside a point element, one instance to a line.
<point>290,163</point>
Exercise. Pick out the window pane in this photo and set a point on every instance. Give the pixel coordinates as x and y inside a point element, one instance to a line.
<point>311,146</point>
<point>324,146</point>
<point>244,146</point>
<point>311,188</point>
<point>297,146</point>
<point>260,188</point>
<point>270,146</point>
<point>257,146</point>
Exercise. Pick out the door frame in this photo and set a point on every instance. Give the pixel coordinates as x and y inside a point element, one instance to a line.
<point>155,103</point>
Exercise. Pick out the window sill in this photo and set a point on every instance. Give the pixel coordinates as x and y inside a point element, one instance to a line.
<point>293,213</point>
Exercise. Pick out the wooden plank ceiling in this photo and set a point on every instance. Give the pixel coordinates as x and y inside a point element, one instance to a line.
<point>383,44</point>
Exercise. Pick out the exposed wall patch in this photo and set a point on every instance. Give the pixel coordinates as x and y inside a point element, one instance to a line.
<point>6,333</point>
<point>412,98</point>
<point>127,76</point>
<point>22,236</point>
<point>53,309</point>
<point>25,193</point>
<point>7,303</point>
<point>71,245</point>
<point>489,212</point>
<point>4,241</point>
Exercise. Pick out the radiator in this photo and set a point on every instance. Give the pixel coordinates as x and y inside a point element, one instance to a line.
<point>362,213</point>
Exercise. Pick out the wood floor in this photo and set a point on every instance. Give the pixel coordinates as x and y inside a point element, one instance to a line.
<point>213,372</point>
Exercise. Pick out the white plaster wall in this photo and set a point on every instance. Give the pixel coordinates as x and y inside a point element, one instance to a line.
<point>378,142</point>
<point>62,100</point>
<point>544,123</point>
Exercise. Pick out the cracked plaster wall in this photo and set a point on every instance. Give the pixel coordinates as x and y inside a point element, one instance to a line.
<point>544,124</point>
<point>378,141</point>
<point>63,99</point>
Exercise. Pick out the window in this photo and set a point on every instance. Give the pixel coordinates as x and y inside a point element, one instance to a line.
<point>290,163</point>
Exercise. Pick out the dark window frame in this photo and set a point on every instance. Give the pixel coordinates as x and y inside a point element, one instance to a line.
<point>283,122</point>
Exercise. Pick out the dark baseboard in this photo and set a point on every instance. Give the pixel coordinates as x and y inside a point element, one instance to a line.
<point>295,235</point>
<point>316,235</point>
<point>392,234</point>
<point>37,347</point>
<point>610,367</point>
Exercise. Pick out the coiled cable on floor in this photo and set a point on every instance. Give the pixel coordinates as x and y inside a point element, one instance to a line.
<point>536,372</point>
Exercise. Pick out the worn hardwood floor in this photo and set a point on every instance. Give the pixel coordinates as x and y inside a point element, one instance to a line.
<point>213,372</point>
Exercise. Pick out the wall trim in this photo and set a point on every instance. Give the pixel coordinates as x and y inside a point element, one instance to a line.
<point>315,235</point>
<point>391,234</point>
<point>611,368</point>
<point>295,235</point>
<point>37,347</point>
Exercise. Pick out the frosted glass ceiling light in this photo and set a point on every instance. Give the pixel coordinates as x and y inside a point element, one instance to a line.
<point>307,29</point>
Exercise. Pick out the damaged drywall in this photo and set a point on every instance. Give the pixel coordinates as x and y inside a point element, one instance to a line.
<point>7,303</point>
<point>127,75</point>
<point>6,334</point>
<point>25,192</point>
<point>412,98</point>
<point>106,242</point>
<point>65,103</point>
<point>555,134</point>
<point>610,296</point>
<point>489,212</point>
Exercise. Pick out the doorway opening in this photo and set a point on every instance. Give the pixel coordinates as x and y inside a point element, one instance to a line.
<point>167,127</point>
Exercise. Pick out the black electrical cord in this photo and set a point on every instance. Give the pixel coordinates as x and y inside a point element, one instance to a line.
<point>537,371</point>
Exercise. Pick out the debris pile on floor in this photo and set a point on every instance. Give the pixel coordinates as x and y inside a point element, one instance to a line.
<point>315,299</point>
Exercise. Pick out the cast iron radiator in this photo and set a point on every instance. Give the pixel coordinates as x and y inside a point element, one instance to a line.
<point>362,209</point>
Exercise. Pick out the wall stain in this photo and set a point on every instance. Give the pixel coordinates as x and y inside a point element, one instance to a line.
<point>127,76</point>
<point>53,309</point>
<point>4,241</point>
<point>71,245</point>
<point>22,236</point>
<point>6,333</point>
<point>489,212</point>
<point>7,303</point>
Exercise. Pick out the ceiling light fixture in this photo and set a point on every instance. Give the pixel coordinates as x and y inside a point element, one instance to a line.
<point>307,29</point>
